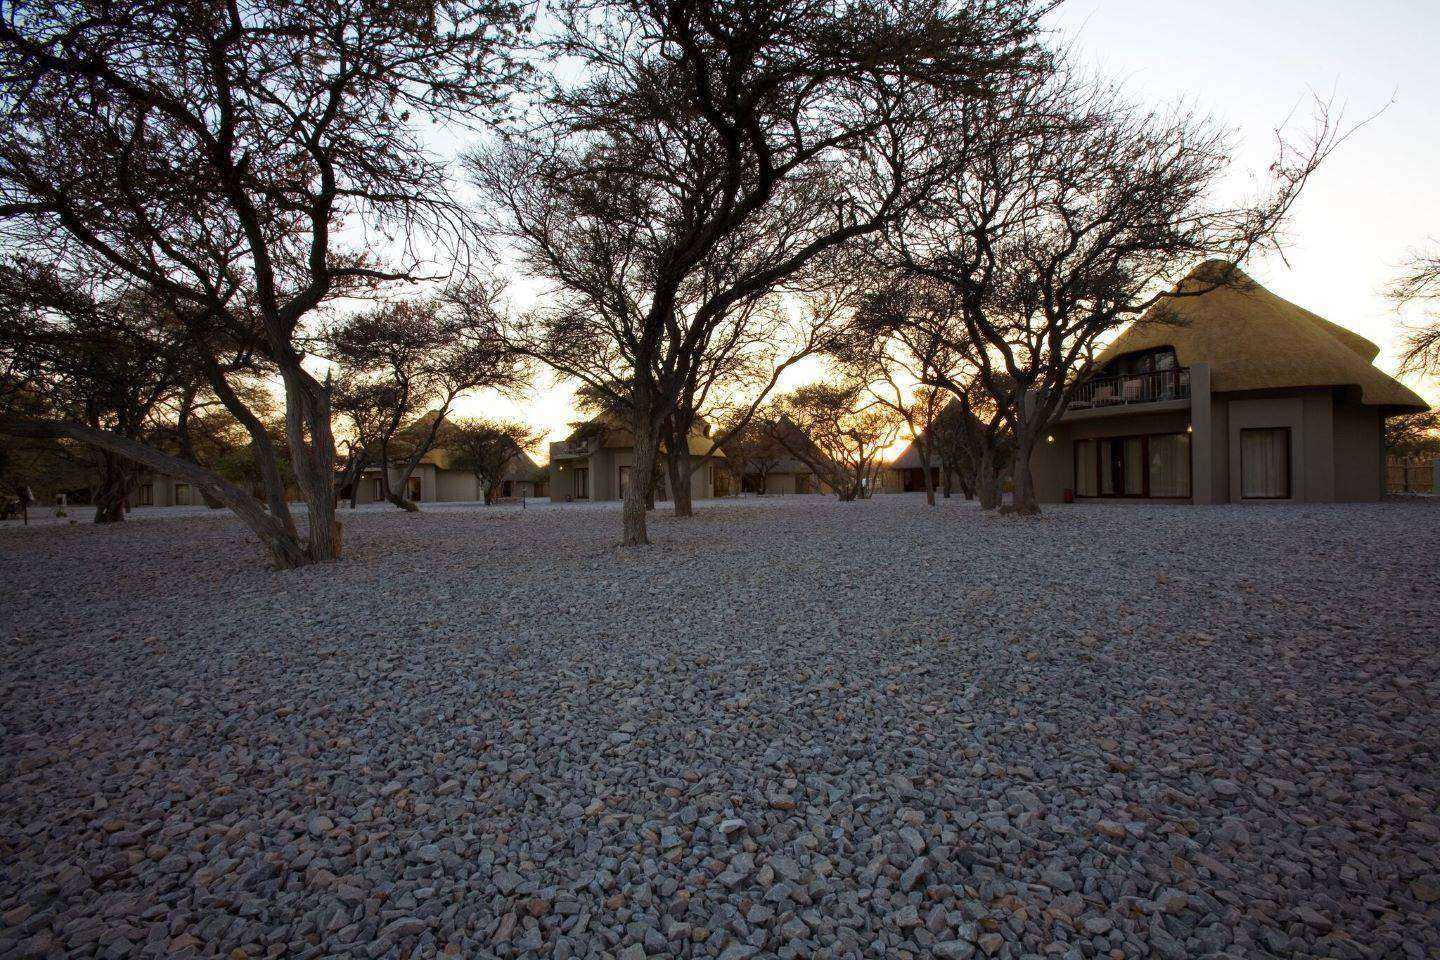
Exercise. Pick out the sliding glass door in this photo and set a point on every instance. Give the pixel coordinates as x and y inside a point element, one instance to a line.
<point>1148,465</point>
<point>1169,463</point>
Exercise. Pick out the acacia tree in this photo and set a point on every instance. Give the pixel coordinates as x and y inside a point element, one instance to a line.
<point>487,448</point>
<point>212,157</point>
<point>915,325</point>
<point>697,168</point>
<point>1068,211</point>
<point>110,363</point>
<point>1420,284</point>
<point>753,449</point>
<point>839,431</point>
<point>408,358</point>
<point>895,346</point>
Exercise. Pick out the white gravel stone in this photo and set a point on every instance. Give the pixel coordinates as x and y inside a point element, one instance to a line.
<point>791,727</point>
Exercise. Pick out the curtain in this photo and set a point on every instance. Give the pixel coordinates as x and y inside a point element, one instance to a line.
<point>1170,465</point>
<point>1265,463</point>
<point>1085,466</point>
<point>1134,467</point>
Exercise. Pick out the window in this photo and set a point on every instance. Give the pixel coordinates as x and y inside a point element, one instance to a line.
<point>1145,361</point>
<point>1265,464</point>
<point>1087,469</point>
<point>1134,467</point>
<point>1151,465</point>
<point>1106,467</point>
<point>1170,465</point>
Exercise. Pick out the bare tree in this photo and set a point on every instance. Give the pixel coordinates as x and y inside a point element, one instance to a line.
<point>903,357</point>
<point>839,431</point>
<point>1068,211</point>
<point>915,325</point>
<point>753,449</point>
<point>1420,284</point>
<point>1413,434</point>
<point>105,361</point>
<point>408,358</point>
<point>242,165</point>
<point>707,163</point>
<point>487,448</point>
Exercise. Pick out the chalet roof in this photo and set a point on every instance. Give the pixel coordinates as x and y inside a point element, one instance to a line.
<point>522,467</point>
<point>1255,340</point>
<point>614,433</point>
<point>909,458</point>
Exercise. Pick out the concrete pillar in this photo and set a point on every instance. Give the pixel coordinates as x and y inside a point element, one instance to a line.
<point>1202,436</point>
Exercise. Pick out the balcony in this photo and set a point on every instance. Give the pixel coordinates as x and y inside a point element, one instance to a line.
<point>572,449</point>
<point>1170,387</point>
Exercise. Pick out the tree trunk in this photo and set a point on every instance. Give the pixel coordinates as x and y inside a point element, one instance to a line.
<point>678,475</point>
<point>261,448</point>
<point>987,482</point>
<point>187,445</point>
<point>929,480</point>
<point>639,490</point>
<point>1025,503</point>
<point>312,454</point>
<point>116,479</point>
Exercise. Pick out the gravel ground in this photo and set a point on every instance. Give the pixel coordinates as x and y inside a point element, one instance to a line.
<point>794,728</point>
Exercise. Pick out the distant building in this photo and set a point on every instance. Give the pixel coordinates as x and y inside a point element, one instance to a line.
<point>594,463</point>
<point>438,479</point>
<point>906,474</point>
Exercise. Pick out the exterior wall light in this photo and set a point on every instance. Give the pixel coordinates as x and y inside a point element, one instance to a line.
<point>1190,428</point>
<point>1050,438</point>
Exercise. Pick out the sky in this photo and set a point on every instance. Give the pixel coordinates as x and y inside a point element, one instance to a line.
<point>1253,65</point>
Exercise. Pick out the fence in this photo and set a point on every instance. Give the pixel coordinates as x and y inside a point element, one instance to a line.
<point>1410,475</point>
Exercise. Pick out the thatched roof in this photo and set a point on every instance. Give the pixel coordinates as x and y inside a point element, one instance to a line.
<point>521,467</point>
<point>909,459</point>
<point>615,433</point>
<point>1254,340</point>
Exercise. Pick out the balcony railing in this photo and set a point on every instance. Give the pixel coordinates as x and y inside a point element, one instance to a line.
<point>1173,384</point>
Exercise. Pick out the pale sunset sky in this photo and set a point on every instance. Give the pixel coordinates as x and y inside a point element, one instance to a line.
<point>1251,65</point>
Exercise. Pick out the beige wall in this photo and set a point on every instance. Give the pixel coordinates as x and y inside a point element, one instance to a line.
<point>1309,418</point>
<point>780,483</point>
<point>1359,451</point>
<point>457,485</point>
<point>605,466</point>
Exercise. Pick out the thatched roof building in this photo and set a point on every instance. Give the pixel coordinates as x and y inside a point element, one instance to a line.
<point>1255,340</point>
<point>1224,394</point>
